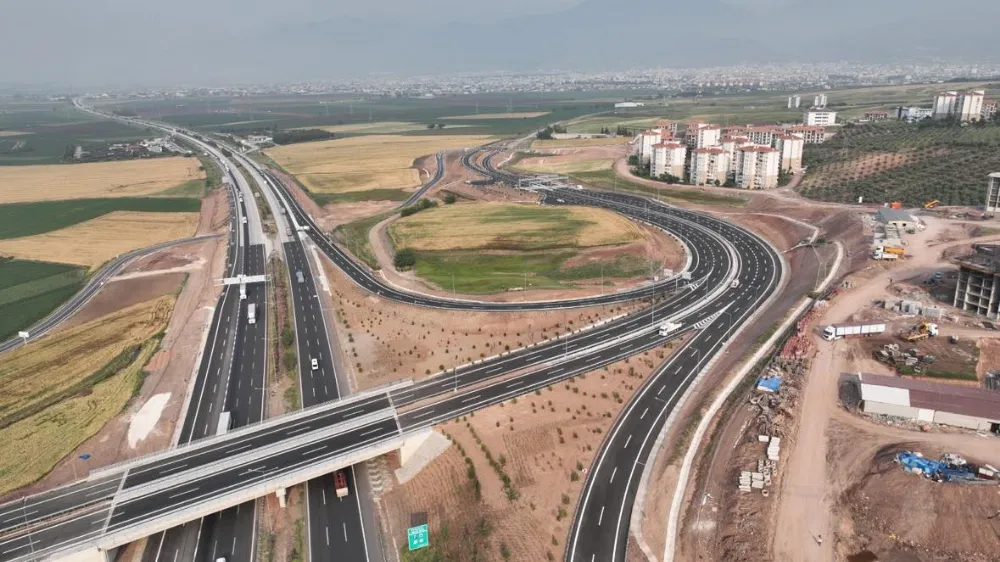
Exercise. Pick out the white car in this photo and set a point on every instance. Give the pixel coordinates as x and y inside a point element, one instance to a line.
<point>315,364</point>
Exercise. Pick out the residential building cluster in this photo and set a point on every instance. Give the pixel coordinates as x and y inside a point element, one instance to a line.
<point>748,157</point>
<point>962,106</point>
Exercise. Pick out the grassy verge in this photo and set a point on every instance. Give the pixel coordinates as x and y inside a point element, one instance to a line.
<point>28,219</point>
<point>30,290</point>
<point>605,179</point>
<point>354,236</point>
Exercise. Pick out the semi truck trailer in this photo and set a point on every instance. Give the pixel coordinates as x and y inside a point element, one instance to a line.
<point>861,329</point>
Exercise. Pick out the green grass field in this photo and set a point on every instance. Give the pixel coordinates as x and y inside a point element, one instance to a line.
<point>357,196</point>
<point>28,219</point>
<point>480,273</point>
<point>30,290</point>
<point>354,236</point>
<point>605,179</point>
<point>912,163</point>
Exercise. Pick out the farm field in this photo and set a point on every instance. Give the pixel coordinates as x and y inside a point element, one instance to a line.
<point>481,248</point>
<point>605,179</point>
<point>47,128</point>
<point>291,112</point>
<point>28,219</point>
<point>29,290</point>
<point>59,391</point>
<point>363,168</point>
<point>578,143</point>
<point>93,242</point>
<point>126,178</point>
<point>539,165</point>
<point>521,115</point>
<point>376,128</point>
<point>912,163</point>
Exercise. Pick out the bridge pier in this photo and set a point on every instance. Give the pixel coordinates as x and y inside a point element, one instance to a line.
<point>418,451</point>
<point>282,494</point>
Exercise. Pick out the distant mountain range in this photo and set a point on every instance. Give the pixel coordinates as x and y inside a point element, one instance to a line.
<point>599,34</point>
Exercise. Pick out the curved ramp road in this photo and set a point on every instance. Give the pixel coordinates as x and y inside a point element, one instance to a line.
<point>94,284</point>
<point>601,522</point>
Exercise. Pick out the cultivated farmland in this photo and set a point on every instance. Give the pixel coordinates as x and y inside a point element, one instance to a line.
<point>359,168</point>
<point>912,163</point>
<point>520,115</point>
<point>126,178</point>
<point>28,219</point>
<point>578,143</point>
<point>479,248</point>
<point>29,290</point>
<point>57,392</point>
<point>96,241</point>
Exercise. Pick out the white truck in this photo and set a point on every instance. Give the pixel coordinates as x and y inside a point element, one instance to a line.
<point>251,313</point>
<point>668,328</point>
<point>340,484</point>
<point>225,423</point>
<point>862,329</point>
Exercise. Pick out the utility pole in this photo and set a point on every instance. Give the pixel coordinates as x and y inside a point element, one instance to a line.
<point>454,295</point>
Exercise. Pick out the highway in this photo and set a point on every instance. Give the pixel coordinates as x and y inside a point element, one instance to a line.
<point>601,522</point>
<point>231,378</point>
<point>92,287</point>
<point>438,174</point>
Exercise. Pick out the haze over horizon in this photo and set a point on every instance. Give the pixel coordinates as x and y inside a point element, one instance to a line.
<point>126,43</point>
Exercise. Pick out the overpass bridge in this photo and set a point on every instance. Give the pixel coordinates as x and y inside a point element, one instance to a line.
<point>125,502</point>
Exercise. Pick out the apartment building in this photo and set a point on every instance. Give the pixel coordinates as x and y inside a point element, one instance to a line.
<point>819,100</point>
<point>762,134</point>
<point>989,109</point>
<point>667,126</point>
<point>646,141</point>
<point>809,134</point>
<point>732,144</point>
<point>758,167</point>
<point>794,102</point>
<point>790,149</point>
<point>668,158</point>
<point>969,105</point>
<point>819,117</point>
<point>702,135</point>
<point>709,165</point>
<point>876,116</point>
<point>944,105</point>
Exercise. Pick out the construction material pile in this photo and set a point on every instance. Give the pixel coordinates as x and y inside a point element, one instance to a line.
<point>951,468</point>
<point>760,479</point>
<point>891,355</point>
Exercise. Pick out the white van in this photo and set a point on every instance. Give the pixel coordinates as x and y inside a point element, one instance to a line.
<point>315,364</point>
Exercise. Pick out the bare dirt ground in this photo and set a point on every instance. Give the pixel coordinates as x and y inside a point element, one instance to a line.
<point>543,441</point>
<point>280,527</point>
<point>387,342</point>
<point>655,246</point>
<point>117,295</point>
<point>561,160</point>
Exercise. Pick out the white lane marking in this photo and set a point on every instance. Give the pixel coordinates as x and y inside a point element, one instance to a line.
<point>345,531</point>
<point>644,413</point>
<point>327,530</point>
<point>471,398</point>
<point>600,517</point>
<point>184,493</point>
<point>613,472</point>
<point>627,441</point>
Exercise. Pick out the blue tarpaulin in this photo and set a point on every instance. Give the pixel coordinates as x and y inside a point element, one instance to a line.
<point>768,384</point>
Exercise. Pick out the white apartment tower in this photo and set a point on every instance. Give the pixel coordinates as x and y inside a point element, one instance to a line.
<point>733,144</point>
<point>819,100</point>
<point>758,168</point>
<point>702,135</point>
<point>794,102</point>
<point>993,193</point>
<point>944,105</point>
<point>709,165</point>
<point>969,105</point>
<point>790,148</point>
<point>646,141</point>
<point>668,158</point>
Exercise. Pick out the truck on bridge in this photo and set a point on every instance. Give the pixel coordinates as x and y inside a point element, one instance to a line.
<point>668,328</point>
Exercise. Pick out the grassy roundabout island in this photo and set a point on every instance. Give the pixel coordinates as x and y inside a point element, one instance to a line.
<point>482,248</point>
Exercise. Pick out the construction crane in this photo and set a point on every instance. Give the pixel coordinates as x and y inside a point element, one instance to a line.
<point>921,331</point>
<point>931,204</point>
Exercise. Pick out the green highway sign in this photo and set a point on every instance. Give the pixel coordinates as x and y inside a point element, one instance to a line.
<point>418,537</point>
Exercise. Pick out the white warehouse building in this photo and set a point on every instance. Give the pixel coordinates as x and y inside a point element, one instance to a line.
<point>960,406</point>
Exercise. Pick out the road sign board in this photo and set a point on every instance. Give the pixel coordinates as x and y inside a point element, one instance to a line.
<point>418,537</point>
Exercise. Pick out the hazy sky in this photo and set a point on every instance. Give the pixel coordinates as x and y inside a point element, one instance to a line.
<point>91,43</point>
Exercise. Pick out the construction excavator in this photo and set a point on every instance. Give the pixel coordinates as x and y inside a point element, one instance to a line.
<point>921,331</point>
<point>931,204</point>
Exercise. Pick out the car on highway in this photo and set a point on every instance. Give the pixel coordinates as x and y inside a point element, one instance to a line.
<point>298,275</point>
<point>244,220</point>
<point>315,363</point>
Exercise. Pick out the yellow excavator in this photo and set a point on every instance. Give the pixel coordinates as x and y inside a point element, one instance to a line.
<point>921,331</point>
<point>931,204</point>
